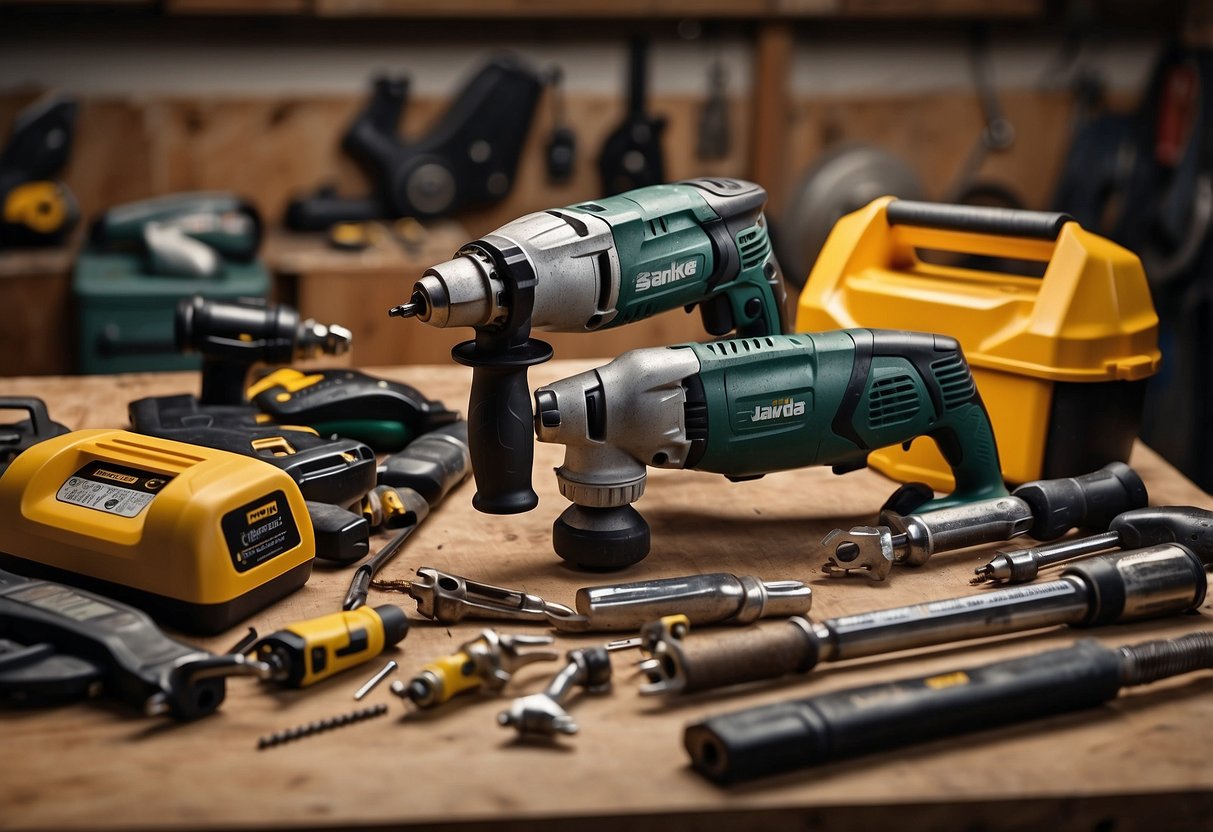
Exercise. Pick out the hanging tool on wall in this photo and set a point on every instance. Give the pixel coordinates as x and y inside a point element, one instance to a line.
<point>1045,509</point>
<point>486,662</point>
<point>194,235</point>
<point>561,153</point>
<point>712,139</point>
<point>748,407</point>
<point>1193,527</point>
<point>15,437</point>
<point>467,159</point>
<point>1126,586</point>
<point>631,156</point>
<point>36,210</point>
<point>848,723</point>
<point>591,266</point>
<point>542,715</point>
<point>714,598</point>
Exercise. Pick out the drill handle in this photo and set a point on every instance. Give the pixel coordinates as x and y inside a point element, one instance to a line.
<point>966,440</point>
<point>501,433</point>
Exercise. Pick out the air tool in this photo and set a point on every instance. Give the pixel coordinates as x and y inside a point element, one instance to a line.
<point>586,267</point>
<point>750,406</point>
<point>1193,527</point>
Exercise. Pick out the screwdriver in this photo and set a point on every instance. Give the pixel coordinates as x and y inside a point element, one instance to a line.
<point>1045,509</point>
<point>832,726</point>
<point>1122,586</point>
<point>306,652</point>
<point>1193,527</point>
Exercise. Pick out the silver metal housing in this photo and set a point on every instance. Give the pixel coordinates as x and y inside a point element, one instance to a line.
<point>644,424</point>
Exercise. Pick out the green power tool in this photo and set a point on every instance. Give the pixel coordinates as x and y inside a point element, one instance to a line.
<point>587,267</point>
<point>750,406</point>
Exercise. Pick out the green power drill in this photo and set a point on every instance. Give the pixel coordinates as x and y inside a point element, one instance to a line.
<point>591,266</point>
<point>750,406</point>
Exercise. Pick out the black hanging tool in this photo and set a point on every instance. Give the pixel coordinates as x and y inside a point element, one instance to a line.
<point>632,157</point>
<point>469,158</point>
<point>713,140</point>
<point>35,210</point>
<point>15,437</point>
<point>562,142</point>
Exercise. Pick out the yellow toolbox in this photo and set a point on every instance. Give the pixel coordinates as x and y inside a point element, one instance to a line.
<point>199,538</point>
<point>1061,360</point>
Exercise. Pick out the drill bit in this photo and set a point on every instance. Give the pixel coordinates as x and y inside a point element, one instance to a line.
<point>320,725</point>
<point>370,683</point>
<point>415,306</point>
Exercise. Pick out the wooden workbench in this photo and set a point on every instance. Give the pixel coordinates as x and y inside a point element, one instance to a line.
<point>1143,762</point>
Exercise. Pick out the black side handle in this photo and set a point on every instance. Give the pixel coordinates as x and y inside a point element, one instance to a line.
<point>1007,222</point>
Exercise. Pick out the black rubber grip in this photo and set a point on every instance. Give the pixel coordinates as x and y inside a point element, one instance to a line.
<point>1006,222</point>
<point>848,723</point>
<point>432,464</point>
<point>1089,502</point>
<point>1193,527</point>
<point>341,535</point>
<point>501,433</point>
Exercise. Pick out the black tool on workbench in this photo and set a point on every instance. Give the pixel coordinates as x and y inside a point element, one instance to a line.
<point>1150,526</point>
<point>15,437</point>
<point>468,158</point>
<point>36,210</point>
<point>847,723</point>
<point>631,156</point>
<point>387,415</point>
<point>233,336</point>
<point>59,643</point>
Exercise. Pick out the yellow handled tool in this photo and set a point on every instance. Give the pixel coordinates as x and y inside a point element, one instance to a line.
<point>306,652</point>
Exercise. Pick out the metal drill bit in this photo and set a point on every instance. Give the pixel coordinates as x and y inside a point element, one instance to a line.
<point>320,725</point>
<point>415,306</point>
<point>375,680</point>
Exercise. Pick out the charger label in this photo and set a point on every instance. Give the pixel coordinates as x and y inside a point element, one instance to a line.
<point>114,489</point>
<point>260,530</point>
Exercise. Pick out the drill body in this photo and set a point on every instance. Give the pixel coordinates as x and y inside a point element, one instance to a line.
<point>750,406</point>
<point>592,266</point>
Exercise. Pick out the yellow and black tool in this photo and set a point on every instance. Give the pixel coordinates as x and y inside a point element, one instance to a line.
<point>486,662</point>
<point>200,538</point>
<point>36,210</point>
<point>307,652</point>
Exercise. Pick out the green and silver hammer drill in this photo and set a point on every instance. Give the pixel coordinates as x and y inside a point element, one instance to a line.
<point>747,407</point>
<point>591,266</point>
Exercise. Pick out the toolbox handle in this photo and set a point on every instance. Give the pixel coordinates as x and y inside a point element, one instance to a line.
<point>978,219</point>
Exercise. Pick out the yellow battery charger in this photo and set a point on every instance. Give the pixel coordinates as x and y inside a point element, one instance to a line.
<point>200,538</point>
<point>1061,360</point>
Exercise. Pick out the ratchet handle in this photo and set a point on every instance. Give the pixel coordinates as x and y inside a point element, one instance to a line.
<point>847,723</point>
<point>1089,502</point>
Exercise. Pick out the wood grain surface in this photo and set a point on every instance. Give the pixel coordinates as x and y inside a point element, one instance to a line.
<point>1141,762</point>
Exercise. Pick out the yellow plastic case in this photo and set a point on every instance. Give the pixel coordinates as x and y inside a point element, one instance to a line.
<point>1060,360</point>
<point>200,538</point>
